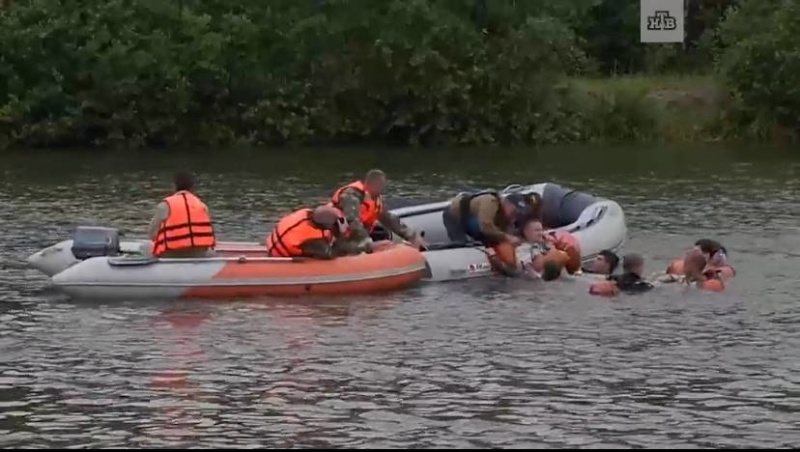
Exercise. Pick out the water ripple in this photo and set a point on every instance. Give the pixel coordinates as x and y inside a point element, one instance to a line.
<point>491,363</point>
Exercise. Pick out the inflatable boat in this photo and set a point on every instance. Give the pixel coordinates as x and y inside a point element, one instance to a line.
<point>249,274</point>
<point>597,223</point>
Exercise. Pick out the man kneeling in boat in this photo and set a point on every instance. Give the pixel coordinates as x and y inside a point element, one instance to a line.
<point>492,219</point>
<point>311,233</point>
<point>181,225</point>
<point>362,205</point>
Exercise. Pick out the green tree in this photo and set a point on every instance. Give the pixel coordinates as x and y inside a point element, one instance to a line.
<point>759,62</point>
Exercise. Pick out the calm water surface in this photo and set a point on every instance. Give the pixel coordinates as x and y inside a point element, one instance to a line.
<point>492,363</point>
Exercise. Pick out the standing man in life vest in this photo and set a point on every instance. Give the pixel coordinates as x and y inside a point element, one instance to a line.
<point>310,233</point>
<point>181,225</point>
<point>362,205</point>
<point>491,219</point>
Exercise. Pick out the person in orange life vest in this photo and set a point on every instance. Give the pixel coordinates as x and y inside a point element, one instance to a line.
<point>544,260</point>
<point>696,273</point>
<point>566,242</point>
<point>716,259</point>
<point>310,233</point>
<point>181,225</point>
<point>490,218</point>
<point>362,205</point>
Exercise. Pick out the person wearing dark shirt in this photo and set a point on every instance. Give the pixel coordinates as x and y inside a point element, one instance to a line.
<point>631,279</point>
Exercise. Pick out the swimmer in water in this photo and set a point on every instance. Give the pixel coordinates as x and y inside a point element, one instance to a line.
<point>544,260</point>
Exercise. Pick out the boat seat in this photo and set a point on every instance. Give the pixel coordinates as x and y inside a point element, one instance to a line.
<point>562,206</point>
<point>132,261</point>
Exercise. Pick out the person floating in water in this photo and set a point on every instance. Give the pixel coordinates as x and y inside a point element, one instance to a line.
<point>544,261</point>
<point>716,257</point>
<point>696,273</point>
<point>631,280</point>
<point>605,263</point>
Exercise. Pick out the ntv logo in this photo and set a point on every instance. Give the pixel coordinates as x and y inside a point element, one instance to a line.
<point>661,20</point>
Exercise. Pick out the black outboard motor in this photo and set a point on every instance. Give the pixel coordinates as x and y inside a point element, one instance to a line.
<point>95,241</point>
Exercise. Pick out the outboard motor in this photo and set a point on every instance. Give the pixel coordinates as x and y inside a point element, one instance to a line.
<point>95,241</point>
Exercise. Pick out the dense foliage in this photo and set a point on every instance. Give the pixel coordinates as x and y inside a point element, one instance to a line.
<point>760,62</point>
<point>219,73</point>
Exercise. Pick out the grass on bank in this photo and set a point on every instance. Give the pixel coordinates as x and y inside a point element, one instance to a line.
<point>682,107</point>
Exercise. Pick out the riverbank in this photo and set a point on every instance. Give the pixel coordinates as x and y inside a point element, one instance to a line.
<point>671,109</point>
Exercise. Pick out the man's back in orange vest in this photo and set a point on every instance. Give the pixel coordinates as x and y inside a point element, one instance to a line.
<point>181,225</point>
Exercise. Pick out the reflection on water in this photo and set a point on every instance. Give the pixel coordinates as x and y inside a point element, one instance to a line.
<point>492,363</point>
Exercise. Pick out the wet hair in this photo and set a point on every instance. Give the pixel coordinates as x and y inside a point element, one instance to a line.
<point>630,261</point>
<point>612,259</point>
<point>184,181</point>
<point>550,271</point>
<point>373,175</point>
<point>710,247</point>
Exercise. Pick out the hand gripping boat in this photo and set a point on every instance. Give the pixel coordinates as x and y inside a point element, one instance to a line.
<point>241,273</point>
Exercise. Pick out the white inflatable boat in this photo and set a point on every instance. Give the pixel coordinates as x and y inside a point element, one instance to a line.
<point>597,223</point>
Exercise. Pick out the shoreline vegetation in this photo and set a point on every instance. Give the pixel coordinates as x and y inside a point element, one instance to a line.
<point>215,74</point>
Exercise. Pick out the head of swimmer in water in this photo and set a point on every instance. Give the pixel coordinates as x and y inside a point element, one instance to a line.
<point>633,264</point>
<point>605,263</point>
<point>533,232</point>
<point>714,252</point>
<point>375,182</point>
<point>693,265</point>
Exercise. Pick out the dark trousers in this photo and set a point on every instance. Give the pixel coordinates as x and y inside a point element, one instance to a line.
<point>454,228</point>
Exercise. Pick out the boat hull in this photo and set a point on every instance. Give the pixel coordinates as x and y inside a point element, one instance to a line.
<point>107,278</point>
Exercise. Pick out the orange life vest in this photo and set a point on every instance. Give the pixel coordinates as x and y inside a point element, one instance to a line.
<point>370,209</point>
<point>604,288</point>
<point>187,225</point>
<point>712,285</point>
<point>566,242</point>
<point>292,231</point>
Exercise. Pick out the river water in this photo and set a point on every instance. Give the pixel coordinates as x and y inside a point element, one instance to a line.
<point>493,363</point>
